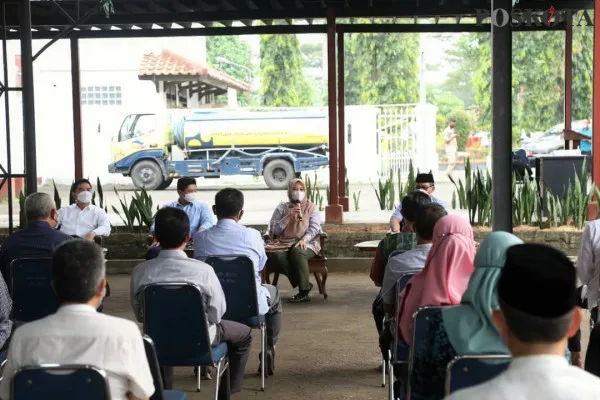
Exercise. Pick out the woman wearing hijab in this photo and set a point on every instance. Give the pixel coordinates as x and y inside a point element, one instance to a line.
<point>446,274</point>
<point>297,223</point>
<point>468,328</point>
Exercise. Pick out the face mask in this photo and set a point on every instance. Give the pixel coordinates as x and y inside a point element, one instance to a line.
<point>298,195</point>
<point>190,197</point>
<point>84,197</point>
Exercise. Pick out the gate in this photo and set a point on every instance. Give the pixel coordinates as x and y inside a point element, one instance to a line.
<point>397,128</point>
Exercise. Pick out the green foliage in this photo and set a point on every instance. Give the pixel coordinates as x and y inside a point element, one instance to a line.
<point>100,193</point>
<point>143,204</point>
<point>526,202</point>
<point>409,185</point>
<point>583,66</point>
<point>283,83</point>
<point>130,212</point>
<point>464,126</point>
<point>385,192</point>
<point>381,68</point>
<point>475,195</point>
<point>447,103</point>
<point>233,49</point>
<point>356,198</point>
<point>313,193</point>
<point>22,214</point>
<point>57,200</point>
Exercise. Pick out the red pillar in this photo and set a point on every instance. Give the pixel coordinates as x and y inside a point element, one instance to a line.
<point>568,81</point>
<point>333,212</point>
<point>596,108</point>
<point>344,202</point>
<point>76,94</point>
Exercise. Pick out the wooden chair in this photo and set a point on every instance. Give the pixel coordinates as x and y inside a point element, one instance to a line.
<point>316,266</point>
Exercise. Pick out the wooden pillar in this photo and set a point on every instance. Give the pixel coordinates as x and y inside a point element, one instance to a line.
<point>569,81</point>
<point>592,211</point>
<point>76,94</point>
<point>333,212</point>
<point>344,202</point>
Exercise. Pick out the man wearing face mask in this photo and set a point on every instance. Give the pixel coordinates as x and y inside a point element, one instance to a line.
<point>230,237</point>
<point>83,219</point>
<point>38,239</point>
<point>199,213</point>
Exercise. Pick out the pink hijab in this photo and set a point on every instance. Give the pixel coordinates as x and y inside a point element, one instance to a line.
<point>446,274</point>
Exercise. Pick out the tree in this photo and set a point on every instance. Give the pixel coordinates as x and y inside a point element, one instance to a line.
<point>381,68</point>
<point>283,83</point>
<point>463,60</point>
<point>234,50</point>
<point>583,66</point>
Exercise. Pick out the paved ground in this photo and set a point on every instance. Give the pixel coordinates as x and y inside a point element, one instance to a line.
<point>328,348</point>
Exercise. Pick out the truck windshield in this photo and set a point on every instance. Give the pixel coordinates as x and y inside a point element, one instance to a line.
<point>126,132</point>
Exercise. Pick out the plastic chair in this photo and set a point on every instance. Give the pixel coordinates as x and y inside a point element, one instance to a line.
<point>175,319</point>
<point>60,382</point>
<point>31,289</point>
<point>397,354</point>
<point>238,280</point>
<point>159,392</point>
<point>467,371</point>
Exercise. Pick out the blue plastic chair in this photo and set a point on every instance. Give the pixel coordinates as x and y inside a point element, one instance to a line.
<point>31,289</point>
<point>467,371</point>
<point>237,277</point>
<point>159,392</point>
<point>398,353</point>
<point>60,382</point>
<point>175,319</point>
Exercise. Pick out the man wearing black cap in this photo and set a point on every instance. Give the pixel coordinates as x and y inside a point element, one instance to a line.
<point>538,313</point>
<point>422,182</point>
<point>451,144</point>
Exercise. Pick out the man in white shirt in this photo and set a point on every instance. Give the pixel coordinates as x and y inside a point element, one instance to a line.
<point>77,334</point>
<point>451,144</point>
<point>229,237</point>
<point>172,229</point>
<point>82,218</point>
<point>588,266</point>
<point>538,313</point>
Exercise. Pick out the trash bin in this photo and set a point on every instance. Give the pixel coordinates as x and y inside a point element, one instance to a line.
<point>555,172</point>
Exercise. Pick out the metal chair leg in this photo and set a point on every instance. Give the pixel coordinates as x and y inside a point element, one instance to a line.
<point>391,376</point>
<point>218,382</point>
<point>383,371</point>
<point>199,379</point>
<point>263,332</point>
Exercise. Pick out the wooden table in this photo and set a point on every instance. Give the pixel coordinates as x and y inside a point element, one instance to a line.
<point>370,246</point>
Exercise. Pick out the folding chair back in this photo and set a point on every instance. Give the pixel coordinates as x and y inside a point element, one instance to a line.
<point>159,392</point>
<point>31,289</point>
<point>56,382</point>
<point>400,355</point>
<point>467,371</point>
<point>175,319</point>
<point>238,280</point>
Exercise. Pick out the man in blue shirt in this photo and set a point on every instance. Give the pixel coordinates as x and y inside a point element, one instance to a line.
<point>229,237</point>
<point>39,239</point>
<point>423,182</point>
<point>199,214</point>
<point>586,145</point>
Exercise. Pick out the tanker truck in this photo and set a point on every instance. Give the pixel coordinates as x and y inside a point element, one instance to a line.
<point>154,149</point>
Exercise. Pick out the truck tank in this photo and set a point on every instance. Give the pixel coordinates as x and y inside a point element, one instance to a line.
<point>254,131</point>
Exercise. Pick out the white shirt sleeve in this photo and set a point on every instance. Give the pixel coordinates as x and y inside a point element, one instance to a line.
<point>11,366</point>
<point>586,266</point>
<point>103,228</point>
<point>141,384</point>
<point>259,246</point>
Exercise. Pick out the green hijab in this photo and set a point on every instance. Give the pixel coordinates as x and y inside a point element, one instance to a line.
<point>469,326</point>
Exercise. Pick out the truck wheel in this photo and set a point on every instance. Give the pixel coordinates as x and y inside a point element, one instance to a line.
<point>165,184</point>
<point>147,174</point>
<point>278,174</point>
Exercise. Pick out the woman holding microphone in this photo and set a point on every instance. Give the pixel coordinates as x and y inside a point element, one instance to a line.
<point>296,223</point>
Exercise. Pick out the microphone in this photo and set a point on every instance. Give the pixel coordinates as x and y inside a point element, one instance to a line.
<point>299,213</point>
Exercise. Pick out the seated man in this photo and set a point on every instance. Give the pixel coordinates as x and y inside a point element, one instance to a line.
<point>77,334</point>
<point>173,265</point>
<point>83,219</point>
<point>423,182</point>
<point>199,213</point>
<point>538,313</point>
<point>230,237</point>
<point>38,239</point>
<point>412,260</point>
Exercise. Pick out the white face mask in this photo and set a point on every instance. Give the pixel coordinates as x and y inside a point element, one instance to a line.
<point>84,197</point>
<point>190,197</point>
<point>298,195</point>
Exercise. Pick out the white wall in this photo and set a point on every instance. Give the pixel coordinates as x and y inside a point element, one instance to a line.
<point>103,62</point>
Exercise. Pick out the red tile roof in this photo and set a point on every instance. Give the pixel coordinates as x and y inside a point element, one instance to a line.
<point>168,63</point>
